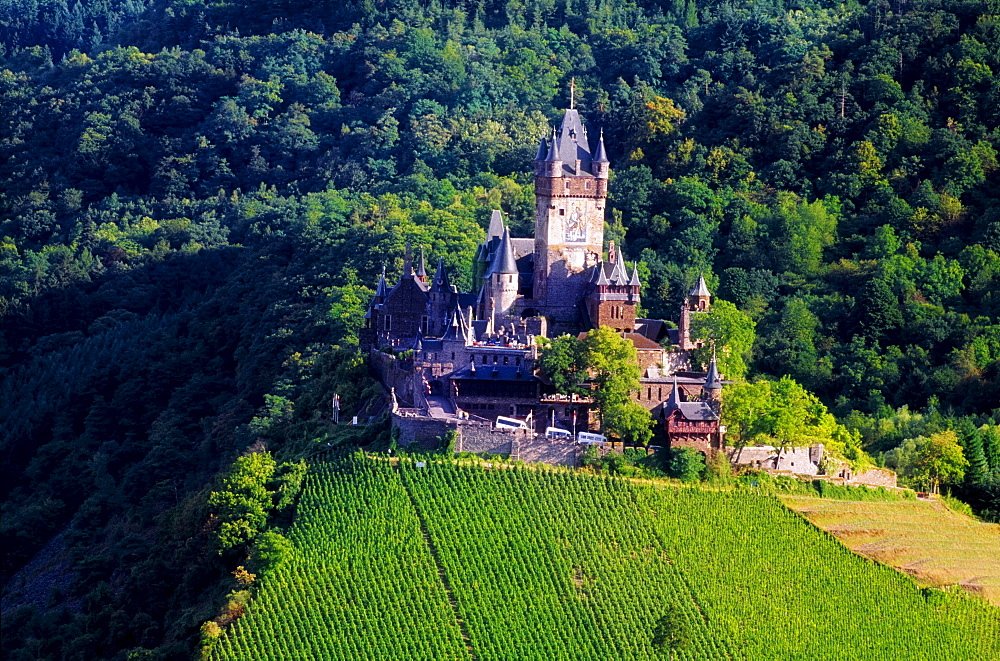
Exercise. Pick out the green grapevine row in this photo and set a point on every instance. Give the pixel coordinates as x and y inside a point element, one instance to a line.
<point>401,562</point>
<point>362,585</point>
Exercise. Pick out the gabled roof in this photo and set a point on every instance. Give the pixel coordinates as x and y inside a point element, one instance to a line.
<point>640,341</point>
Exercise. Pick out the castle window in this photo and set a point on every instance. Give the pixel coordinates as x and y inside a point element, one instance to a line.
<point>388,322</point>
<point>484,359</point>
<point>494,360</point>
<point>586,185</point>
<point>423,324</point>
<point>649,393</point>
<point>505,360</point>
<point>517,360</point>
<point>567,184</point>
<point>453,355</point>
<point>562,212</point>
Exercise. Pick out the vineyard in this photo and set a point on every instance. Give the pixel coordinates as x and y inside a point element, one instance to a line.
<point>448,561</point>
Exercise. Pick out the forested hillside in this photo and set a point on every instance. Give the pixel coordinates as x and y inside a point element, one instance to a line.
<point>197,198</point>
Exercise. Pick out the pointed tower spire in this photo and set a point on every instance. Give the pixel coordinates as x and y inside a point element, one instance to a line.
<point>543,149</point>
<point>503,261</point>
<point>496,225</point>
<point>601,279</point>
<point>422,267</point>
<point>619,273</point>
<point>382,289</point>
<point>712,380</point>
<point>441,283</point>
<point>601,154</point>
<point>635,282</point>
<point>700,289</point>
<point>553,154</point>
<point>674,401</point>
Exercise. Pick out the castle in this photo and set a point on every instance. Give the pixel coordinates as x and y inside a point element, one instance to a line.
<point>474,353</point>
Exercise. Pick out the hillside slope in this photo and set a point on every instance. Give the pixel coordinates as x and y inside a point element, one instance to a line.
<point>446,561</point>
<point>925,539</point>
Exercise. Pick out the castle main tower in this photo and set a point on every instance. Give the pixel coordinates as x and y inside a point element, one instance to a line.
<point>571,186</point>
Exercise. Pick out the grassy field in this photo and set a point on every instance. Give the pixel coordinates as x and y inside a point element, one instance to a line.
<point>460,562</point>
<point>922,538</point>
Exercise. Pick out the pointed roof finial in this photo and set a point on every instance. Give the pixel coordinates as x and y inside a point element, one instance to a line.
<point>712,380</point>
<point>572,93</point>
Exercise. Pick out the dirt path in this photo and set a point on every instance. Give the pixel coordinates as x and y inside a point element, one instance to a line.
<point>442,574</point>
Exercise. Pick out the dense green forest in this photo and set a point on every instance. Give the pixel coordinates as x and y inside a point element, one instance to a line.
<point>197,198</point>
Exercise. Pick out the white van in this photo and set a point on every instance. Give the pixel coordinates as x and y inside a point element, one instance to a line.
<point>587,437</point>
<point>558,434</point>
<point>504,422</point>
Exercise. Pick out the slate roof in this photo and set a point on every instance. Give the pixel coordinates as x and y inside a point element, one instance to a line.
<point>600,155</point>
<point>694,411</point>
<point>654,329</point>
<point>641,341</point>
<point>700,289</point>
<point>496,227</point>
<point>503,260</point>
<point>712,380</point>
<point>614,272</point>
<point>441,282</point>
<point>570,144</point>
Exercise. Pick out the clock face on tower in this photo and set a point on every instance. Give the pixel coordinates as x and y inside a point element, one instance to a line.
<point>576,226</point>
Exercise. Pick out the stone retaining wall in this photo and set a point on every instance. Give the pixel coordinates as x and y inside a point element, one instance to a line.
<point>477,437</point>
<point>423,432</point>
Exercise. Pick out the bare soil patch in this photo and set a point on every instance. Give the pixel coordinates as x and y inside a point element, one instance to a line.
<point>921,538</point>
